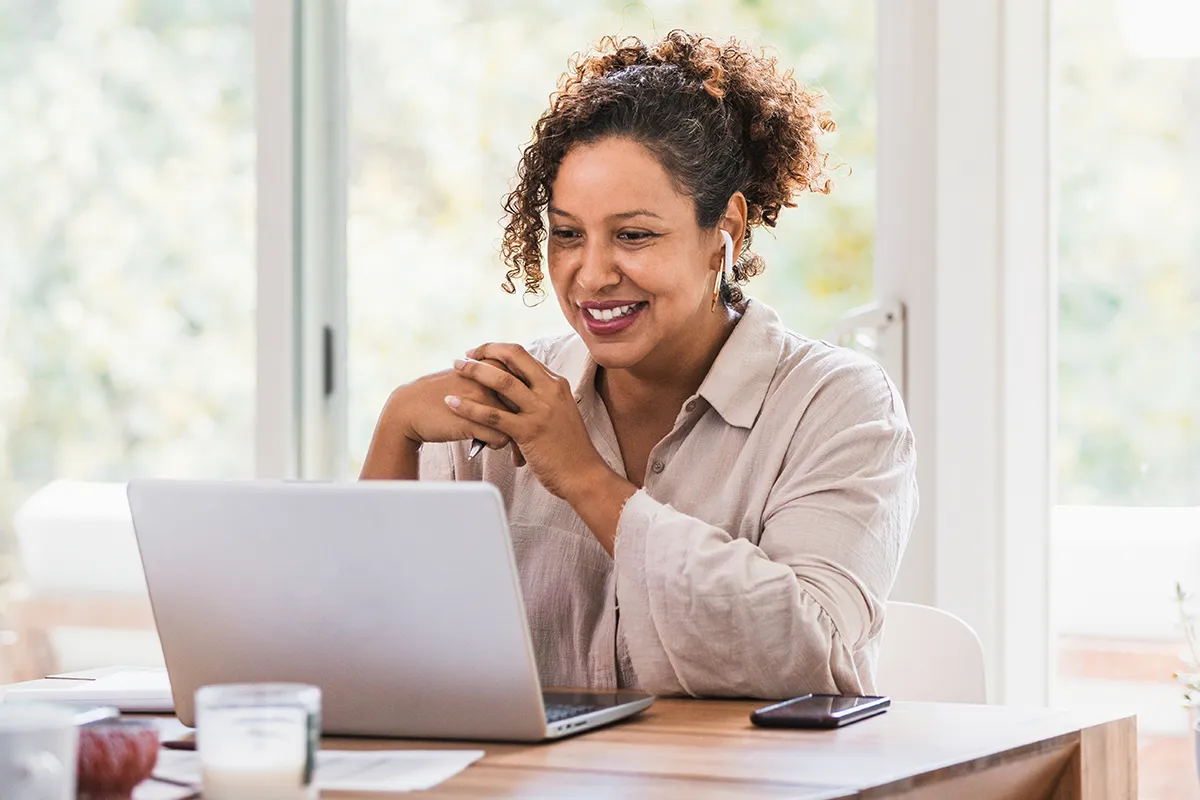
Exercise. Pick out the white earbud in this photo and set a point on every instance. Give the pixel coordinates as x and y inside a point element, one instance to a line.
<point>728,244</point>
<point>727,272</point>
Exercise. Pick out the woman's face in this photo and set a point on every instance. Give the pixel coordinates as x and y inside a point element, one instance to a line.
<point>632,270</point>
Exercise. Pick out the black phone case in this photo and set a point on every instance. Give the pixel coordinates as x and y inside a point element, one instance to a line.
<point>770,720</point>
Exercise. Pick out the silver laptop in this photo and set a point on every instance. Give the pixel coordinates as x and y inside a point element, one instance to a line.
<point>400,600</point>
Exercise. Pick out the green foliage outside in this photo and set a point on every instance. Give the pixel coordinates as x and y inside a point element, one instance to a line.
<point>1127,176</point>
<point>126,242</point>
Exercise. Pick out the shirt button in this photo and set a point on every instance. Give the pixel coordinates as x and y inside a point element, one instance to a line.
<point>658,467</point>
<point>691,406</point>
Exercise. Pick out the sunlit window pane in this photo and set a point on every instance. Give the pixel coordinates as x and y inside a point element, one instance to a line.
<point>126,281</point>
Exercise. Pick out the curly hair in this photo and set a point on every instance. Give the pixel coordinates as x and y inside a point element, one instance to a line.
<point>719,118</point>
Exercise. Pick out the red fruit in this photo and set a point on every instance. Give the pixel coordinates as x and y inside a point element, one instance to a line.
<point>114,757</point>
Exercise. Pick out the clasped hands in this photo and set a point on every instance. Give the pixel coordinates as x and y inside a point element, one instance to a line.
<point>538,414</point>
<point>504,396</point>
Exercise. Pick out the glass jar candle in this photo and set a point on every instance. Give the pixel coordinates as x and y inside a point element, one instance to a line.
<point>258,741</point>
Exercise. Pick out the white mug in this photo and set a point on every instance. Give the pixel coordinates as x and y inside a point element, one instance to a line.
<point>39,744</point>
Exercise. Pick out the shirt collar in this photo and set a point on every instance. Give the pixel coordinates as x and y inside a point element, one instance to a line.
<point>737,383</point>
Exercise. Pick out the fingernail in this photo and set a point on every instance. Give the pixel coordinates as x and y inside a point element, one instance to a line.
<point>459,363</point>
<point>453,401</point>
<point>471,353</point>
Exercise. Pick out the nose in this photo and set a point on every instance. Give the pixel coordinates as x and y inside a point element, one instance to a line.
<point>597,268</point>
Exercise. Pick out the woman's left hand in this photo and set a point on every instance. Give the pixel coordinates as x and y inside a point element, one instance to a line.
<point>546,426</point>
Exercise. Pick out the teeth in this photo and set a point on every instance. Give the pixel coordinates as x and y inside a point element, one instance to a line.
<point>610,313</point>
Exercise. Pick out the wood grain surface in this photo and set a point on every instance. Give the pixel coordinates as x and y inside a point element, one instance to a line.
<point>706,748</point>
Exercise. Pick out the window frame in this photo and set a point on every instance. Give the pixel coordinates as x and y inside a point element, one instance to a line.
<point>964,241</point>
<point>301,405</point>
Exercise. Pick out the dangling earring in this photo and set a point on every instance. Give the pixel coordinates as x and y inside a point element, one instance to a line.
<point>727,271</point>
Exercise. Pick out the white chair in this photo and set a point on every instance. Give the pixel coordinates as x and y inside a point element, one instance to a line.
<point>929,655</point>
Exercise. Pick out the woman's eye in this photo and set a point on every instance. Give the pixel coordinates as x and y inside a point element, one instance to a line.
<point>564,234</point>
<point>635,236</point>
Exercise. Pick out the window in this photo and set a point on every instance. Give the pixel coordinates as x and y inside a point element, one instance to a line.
<point>1127,154</point>
<point>126,259</point>
<point>441,107</point>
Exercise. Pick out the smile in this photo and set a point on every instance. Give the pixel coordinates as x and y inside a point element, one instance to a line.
<point>607,321</point>
<point>604,314</point>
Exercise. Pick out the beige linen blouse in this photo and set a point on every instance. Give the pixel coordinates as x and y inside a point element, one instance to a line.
<point>757,559</point>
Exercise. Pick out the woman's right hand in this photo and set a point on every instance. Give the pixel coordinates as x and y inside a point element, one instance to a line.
<point>416,413</point>
<point>418,410</point>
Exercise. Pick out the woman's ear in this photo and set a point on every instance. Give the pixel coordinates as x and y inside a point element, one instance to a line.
<point>734,221</point>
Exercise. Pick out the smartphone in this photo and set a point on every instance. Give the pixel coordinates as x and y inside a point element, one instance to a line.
<point>819,711</point>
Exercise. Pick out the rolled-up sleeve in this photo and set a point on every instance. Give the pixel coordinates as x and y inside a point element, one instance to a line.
<point>707,614</point>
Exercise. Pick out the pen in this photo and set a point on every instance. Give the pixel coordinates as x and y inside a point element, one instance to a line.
<point>180,744</point>
<point>477,445</point>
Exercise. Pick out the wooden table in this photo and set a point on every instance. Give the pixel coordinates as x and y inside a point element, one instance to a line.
<point>708,749</point>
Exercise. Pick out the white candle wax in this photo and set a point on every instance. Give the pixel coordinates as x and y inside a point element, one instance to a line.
<point>257,742</point>
<point>265,782</point>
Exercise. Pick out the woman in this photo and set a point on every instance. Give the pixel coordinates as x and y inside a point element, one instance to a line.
<point>700,501</point>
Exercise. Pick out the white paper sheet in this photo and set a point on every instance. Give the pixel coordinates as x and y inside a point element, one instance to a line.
<point>155,790</point>
<point>350,770</point>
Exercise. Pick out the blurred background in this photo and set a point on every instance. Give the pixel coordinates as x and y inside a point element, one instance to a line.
<point>128,286</point>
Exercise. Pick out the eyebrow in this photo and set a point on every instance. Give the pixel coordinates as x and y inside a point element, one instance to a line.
<point>637,212</point>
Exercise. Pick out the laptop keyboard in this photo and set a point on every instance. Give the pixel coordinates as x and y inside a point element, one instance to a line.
<point>557,712</point>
